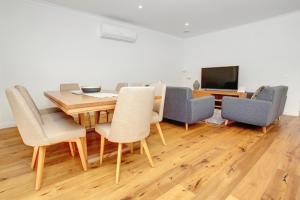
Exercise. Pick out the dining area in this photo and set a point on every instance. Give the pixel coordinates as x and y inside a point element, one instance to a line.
<point>121,118</point>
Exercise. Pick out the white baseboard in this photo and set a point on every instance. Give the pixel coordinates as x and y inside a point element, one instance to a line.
<point>7,124</point>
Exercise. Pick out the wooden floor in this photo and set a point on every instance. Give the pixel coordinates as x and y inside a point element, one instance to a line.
<point>207,162</point>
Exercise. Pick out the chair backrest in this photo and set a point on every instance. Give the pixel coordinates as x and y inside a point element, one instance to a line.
<point>25,94</point>
<point>284,90</point>
<point>69,86</point>
<point>159,90</point>
<point>176,102</point>
<point>277,95</point>
<point>136,84</point>
<point>276,102</point>
<point>120,85</point>
<point>30,128</point>
<point>132,115</point>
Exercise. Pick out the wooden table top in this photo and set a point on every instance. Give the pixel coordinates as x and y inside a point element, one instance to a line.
<point>75,103</point>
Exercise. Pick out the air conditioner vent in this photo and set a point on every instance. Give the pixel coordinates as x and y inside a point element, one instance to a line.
<point>118,33</point>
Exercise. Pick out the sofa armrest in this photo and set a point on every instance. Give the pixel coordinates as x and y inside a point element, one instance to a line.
<point>249,111</point>
<point>200,108</point>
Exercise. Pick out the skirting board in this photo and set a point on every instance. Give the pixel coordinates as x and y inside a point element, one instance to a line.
<point>7,124</point>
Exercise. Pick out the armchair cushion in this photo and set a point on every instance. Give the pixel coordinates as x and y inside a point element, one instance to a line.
<point>255,112</point>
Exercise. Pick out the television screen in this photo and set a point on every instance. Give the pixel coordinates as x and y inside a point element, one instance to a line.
<point>220,78</point>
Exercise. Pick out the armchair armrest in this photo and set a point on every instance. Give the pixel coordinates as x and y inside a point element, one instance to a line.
<point>249,111</point>
<point>200,108</point>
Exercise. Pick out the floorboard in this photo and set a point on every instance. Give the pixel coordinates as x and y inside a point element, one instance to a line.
<point>207,162</point>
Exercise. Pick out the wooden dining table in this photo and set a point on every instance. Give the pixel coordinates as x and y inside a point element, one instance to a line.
<point>80,104</point>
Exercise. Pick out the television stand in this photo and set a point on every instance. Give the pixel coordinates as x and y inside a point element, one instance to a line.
<point>218,94</point>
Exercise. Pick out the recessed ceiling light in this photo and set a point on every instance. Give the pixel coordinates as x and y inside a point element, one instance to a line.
<point>140,6</point>
<point>186,24</point>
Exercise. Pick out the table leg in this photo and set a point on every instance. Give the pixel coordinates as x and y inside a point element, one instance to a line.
<point>96,117</point>
<point>82,119</point>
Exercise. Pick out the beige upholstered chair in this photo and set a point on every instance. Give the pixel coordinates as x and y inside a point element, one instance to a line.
<point>158,107</point>
<point>136,84</point>
<point>107,112</point>
<point>39,132</point>
<point>131,121</point>
<point>120,85</point>
<point>69,86</point>
<point>64,87</point>
<point>49,113</point>
<point>46,114</point>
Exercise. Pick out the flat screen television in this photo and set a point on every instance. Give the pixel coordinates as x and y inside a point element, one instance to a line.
<point>224,78</point>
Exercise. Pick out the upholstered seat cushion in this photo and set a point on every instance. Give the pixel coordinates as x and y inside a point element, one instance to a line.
<point>132,116</point>
<point>55,116</point>
<point>155,117</point>
<point>105,131</point>
<point>59,127</point>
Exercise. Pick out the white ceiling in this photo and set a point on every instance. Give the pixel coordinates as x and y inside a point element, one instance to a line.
<point>169,16</point>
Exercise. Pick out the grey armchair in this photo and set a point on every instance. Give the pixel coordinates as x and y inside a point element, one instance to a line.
<point>261,111</point>
<point>182,107</point>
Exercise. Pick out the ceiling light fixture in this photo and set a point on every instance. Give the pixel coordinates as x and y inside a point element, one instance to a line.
<point>186,24</point>
<point>140,6</point>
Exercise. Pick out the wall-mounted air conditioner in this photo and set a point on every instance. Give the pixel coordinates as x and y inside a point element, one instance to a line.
<point>118,33</point>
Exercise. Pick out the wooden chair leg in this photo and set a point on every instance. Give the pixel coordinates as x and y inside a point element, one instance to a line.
<point>102,143</point>
<point>160,133</point>
<point>141,148</point>
<point>72,149</point>
<point>186,126</point>
<point>226,122</point>
<point>34,156</point>
<point>264,129</point>
<point>118,162</point>
<point>145,146</point>
<point>84,143</point>
<point>40,167</point>
<point>81,154</point>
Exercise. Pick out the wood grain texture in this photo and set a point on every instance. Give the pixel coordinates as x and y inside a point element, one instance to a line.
<point>74,104</point>
<point>202,93</point>
<point>206,162</point>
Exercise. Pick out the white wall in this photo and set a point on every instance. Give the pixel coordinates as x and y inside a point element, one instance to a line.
<point>42,45</point>
<point>268,53</point>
